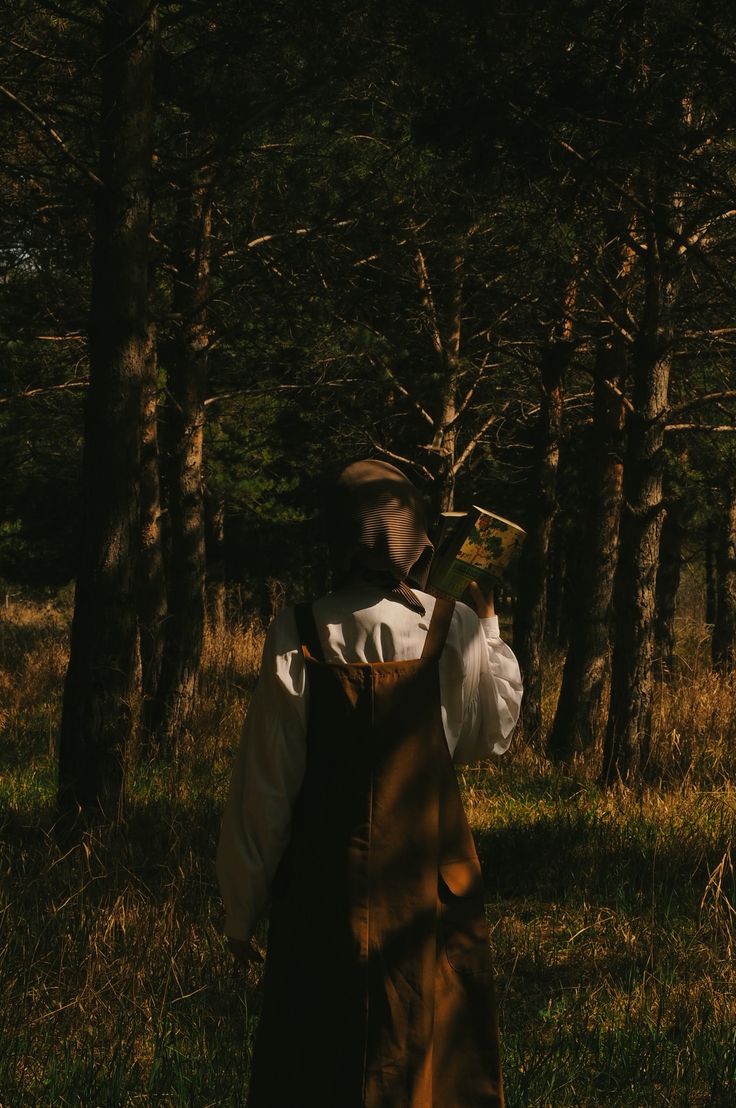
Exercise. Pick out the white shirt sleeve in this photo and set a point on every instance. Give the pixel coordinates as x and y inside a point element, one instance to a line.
<point>491,689</point>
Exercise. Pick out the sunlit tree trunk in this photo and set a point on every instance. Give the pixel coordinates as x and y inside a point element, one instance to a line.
<point>100,691</point>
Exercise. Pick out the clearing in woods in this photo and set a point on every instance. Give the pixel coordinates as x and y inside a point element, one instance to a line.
<point>613,916</point>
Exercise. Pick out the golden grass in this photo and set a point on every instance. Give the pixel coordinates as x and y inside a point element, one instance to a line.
<point>613,914</point>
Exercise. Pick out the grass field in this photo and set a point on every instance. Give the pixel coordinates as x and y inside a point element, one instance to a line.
<point>613,915</point>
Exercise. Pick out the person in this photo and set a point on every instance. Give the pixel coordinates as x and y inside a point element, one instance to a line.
<point>344,810</point>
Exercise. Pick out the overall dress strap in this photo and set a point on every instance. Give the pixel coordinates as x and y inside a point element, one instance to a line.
<point>307,629</point>
<point>438,627</point>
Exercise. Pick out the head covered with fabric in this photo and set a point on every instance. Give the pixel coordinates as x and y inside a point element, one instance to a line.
<point>377,529</point>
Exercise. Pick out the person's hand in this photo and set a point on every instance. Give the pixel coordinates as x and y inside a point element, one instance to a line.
<point>245,952</point>
<point>483,604</point>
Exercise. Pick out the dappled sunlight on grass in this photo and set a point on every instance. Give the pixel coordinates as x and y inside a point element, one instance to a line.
<point>612,913</point>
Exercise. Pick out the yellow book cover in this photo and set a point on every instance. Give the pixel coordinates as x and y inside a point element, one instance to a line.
<point>474,546</point>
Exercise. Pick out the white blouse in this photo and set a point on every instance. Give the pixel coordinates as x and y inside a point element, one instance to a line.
<point>480,692</point>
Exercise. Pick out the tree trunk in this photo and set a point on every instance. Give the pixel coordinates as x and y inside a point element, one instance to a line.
<point>724,627</point>
<point>447,345</point>
<point>668,582</point>
<point>529,614</point>
<point>151,578</point>
<point>711,577</point>
<point>578,717</point>
<point>99,692</point>
<point>186,378</point>
<point>628,732</point>
<point>557,572</point>
<point>214,504</point>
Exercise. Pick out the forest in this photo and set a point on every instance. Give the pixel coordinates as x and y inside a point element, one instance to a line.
<point>242,246</point>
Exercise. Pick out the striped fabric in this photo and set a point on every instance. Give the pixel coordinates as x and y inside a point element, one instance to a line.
<point>377,530</point>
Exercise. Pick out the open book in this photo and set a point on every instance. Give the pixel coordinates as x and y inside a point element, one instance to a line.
<point>474,546</point>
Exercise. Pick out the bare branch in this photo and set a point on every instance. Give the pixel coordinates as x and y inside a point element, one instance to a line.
<point>65,386</point>
<point>713,428</point>
<point>400,458</point>
<point>53,135</point>
<point>410,397</point>
<point>426,288</point>
<point>236,394</point>
<point>470,393</point>
<point>699,234</point>
<point>696,401</point>
<point>476,439</point>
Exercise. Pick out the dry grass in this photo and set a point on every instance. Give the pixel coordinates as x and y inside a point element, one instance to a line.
<point>613,915</point>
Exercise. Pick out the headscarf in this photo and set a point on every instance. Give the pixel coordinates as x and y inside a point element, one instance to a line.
<point>377,529</point>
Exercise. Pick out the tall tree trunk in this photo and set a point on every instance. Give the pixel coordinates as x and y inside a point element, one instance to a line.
<point>529,614</point>
<point>214,504</point>
<point>99,692</point>
<point>558,571</point>
<point>711,576</point>
<point>447,346</point>
<point>185,413</point>
<point>628,731</point>
<point>578,717</point>
<point>669,571</point>
<point>151,578</point>
<point>724,627</point>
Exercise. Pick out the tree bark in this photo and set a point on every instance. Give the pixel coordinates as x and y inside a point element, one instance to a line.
<point>151,577</point>
<point>100,689</point>
<point>448,352</point>
<point>185,414</point>
<point>529,614</point>
<point>724,627</point>
<point>578,716</point>
<point>669,571</point>
<point>711,577</point>
<point>628,731</point>
<point>558,571</point>
<point>214,504</point>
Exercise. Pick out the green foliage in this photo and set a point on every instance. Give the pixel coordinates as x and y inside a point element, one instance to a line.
<point>338,146</point>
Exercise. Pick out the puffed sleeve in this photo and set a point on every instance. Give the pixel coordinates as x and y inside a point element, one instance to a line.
<point>491,689</point>
<point>267,775</point>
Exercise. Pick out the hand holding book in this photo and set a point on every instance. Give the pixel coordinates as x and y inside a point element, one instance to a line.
<point>482,601</point>
<point>474,548</point>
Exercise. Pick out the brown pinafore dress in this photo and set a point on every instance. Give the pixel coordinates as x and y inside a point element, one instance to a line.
<point>378,990</point>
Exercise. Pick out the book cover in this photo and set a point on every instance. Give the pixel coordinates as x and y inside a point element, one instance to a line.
<point>474,546</point>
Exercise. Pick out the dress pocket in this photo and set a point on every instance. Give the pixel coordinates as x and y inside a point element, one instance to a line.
<point>462,916</point>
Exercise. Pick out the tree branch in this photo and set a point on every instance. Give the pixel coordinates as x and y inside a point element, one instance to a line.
<point>426,288</point>
<point>476,439</point>
<point>46,388</point>
<point>410,397</point>
<point>53,135</point>
<point>713,428</point>
<point>400,458</point>
<point>695,401</point>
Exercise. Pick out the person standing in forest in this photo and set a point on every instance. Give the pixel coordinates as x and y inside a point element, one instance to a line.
<point>344,810</point>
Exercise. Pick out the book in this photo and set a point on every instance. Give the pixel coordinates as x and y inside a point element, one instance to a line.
<point>474,546</point>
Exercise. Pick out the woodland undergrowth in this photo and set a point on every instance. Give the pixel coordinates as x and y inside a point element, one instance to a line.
<point>612,914</point>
